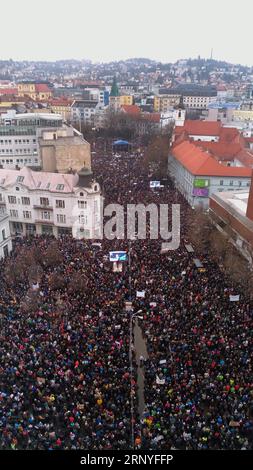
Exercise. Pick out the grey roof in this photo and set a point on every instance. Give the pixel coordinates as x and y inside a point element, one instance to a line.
<point>84,104</point>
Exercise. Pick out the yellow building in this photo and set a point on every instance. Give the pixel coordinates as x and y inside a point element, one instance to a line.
<point>162,103</point>
<point>9,102</point>
<point>36,91</point>
<point>242,115</point>
<point>126,100</point>
<point>62,107</point>
<point>27,89</point>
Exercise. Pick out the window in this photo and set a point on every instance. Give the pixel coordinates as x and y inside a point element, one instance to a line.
<point>82,204</point>
<point>61,218</point>
<point>239,183</point>
<point>31,229</point>
<point>45,215</point>
<point>44,201</point>
<point>14,213</point>
<point>83,219</point>
<point>25,201</point>
<point>60,187</point>
<point>231,183</point>
<point>60,204</point>
<point>27,214</point>
<point>12,199</point>
<point>45,229</point>
<point>17,227</point>
<point>221,182</point>
<point>3,234</point>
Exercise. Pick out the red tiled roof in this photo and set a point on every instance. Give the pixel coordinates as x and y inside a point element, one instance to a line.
<point>61,102</point>
<point>131,109</point>
<point>8,91</point>
<point>229,134</point>
<point>245,158</point>
<point>42,88</point>
<point>211,128</point>
<point>220,150</point>
<point>249,140</point>
<point>200,163</point>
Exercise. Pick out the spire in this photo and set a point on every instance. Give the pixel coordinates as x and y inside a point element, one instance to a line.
<point>114,89</point>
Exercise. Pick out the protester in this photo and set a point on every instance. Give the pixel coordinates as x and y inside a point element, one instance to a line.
<point>64,367</point>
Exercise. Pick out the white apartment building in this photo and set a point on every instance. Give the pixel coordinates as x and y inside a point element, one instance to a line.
<point>83,111</point>
<point>198,101</point>
<point>5,236</point>
<point>51,203</point>
<point>19,137</point>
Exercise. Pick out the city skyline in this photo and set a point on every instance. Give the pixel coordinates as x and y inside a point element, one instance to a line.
<point>111,31</point>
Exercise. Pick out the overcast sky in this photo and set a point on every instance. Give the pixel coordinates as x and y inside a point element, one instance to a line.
<point>105,30</point>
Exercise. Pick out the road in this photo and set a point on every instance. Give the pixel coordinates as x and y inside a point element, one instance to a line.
<point>141,350</point>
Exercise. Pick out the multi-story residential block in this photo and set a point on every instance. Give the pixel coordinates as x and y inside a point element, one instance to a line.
<point>165,100</point>
<point>83,111</point>
<point>199,98</point>
<point>41,140</point>
<point>5,236</point>
<point>62,106</point>
<point>51,203</point>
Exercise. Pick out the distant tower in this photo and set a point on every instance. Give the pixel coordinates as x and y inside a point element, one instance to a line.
<point>179,113</point>
<point>114,98</point>
<point>114,89</point>
<point>211,54</point>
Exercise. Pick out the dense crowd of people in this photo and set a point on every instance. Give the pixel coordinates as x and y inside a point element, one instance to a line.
<point>64,366</point>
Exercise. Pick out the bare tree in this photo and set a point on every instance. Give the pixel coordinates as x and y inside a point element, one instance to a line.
<point>52,255</point>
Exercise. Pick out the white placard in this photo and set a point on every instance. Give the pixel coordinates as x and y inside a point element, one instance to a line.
<point>140,293</point>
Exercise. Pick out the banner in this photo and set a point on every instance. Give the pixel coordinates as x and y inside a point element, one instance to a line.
<point>117,267</point>
<point>118,256</point>
<point>234,298</point>
<point>160,381</point>
<point>200,183</point>
<point>154,184</point>
<point>200,192</point>
<point>140,293</point>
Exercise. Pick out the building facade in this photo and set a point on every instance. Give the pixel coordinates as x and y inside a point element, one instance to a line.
<point>42,141</point>
<point>230,213</point>
<point>39,203</point>
<point>83,111</point>
<point>36,91</point>
<point>62,107</point>
<point>5,236</point>
<point>197,175</point>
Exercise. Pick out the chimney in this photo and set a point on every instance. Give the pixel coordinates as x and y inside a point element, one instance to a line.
<point>250,201</point>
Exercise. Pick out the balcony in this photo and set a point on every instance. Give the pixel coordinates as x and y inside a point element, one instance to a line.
<point>44,222</point>
<point>44,208</point>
